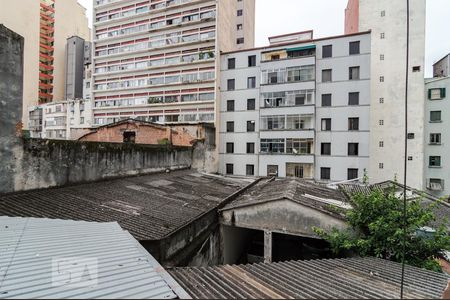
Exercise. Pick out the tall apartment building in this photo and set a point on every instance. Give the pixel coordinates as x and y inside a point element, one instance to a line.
<point>75,62</point>
<point>387,21</point>
<point>437,134</point>
<point>299,107</point>
<point>156,60</point>
<point>45,26</point>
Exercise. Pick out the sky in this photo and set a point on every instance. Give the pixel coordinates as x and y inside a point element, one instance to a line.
<point>326,18</point>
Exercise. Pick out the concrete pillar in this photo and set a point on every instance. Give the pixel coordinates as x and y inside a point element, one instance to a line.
<point>267,246</point>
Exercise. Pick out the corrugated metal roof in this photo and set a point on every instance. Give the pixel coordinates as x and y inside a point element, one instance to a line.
<point>335,278</point>
<point>33,250</point>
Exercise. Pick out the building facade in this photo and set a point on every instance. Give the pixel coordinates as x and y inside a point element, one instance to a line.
<point>297,108</point>
<point>387,22</point>
<point>45,26</point>
<point>156,61</point>
<point>75,62</point>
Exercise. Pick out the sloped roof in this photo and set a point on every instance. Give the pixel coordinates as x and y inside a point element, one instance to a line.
<point>37,258</point>
<point>352,278</point>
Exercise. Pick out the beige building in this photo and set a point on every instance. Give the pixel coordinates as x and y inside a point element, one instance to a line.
<point>45,26</point>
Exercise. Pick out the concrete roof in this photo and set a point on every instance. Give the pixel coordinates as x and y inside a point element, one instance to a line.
<point>339,278</point>
<point>149,207</point>
<point>304,192</point>
<point>43,258</point>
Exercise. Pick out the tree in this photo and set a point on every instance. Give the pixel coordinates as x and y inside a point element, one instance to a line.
<point>376,229</point>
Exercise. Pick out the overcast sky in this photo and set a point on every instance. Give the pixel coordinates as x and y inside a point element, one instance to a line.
<point>326,18</point>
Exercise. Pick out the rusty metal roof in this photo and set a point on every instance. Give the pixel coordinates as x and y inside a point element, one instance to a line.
<point>335,278</point>
<point>56,259</point>
<point>149,207</point>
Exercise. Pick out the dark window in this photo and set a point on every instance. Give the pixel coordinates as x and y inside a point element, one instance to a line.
<point>327,75</point>
<point>353,149</point>
<point>230,148</point>
<point>230,105</point>
<point>230,126</point>
<point>353,98</point>
<point>240,41</point>
<point>230,169</point>
<point>416,69</point>
<point>273,77</point>
<point>326,124</point>
<point>250,126</point>
<point>353,123</point>
<point>275,57</point>
<point>435,116</point>
<point>231,84</point>
<point>435,138</point>
<point>354,48</point>
<point>327,51</point>
<point>250,170</point>
<point>251,104</point>
<point>252,61</point>
<point>250,148</point>
<point>435,161</point>
<point>325,173</point>
<point>326,100</point>
<point>353,73</point>
<point>251,82</point>
<point>352,174</point>
<point>325,149</point>
<point>129,137</point>
<point>411,136</point>
<point>231,63</point>
<point>239,27</point>
<point>239,12</point>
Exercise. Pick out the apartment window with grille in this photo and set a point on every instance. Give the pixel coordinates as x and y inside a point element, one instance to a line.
<point>230,148</point>
<point>381,100</point>
<point>381,144</point>
<point>435,138</point>
<point>327,75</point>
<point>352,174</point>
<point>252,61</point>
<point>327,51</point>
<point>251,82</point>
<point>383,13</point>
<point>250,126</point>
<point>250,170</point>
<point>325,173</point>
<point>251,104</point>
<point>435,161</point>
<point>382,35</point>
<point>381,78</point>
<point>354,48</point>
<point>230,169</point>
<point>240,41</point>
<point>326,124</point>
<point>435,116</point>
<point>353,98</point>
<point>231,84</point>
<point>381,56</point>
<point>230,105</point>
<point>436,94</point>
<point>231,63</point>
<point>325,149</point>
<point>381,165</point>
<point>239,12</point>
<point>381,122</point>
<point>250,148</point>
<point>353,124</point>
<point>353,73</point>
<point>326,100</point>
<point>230,126</point>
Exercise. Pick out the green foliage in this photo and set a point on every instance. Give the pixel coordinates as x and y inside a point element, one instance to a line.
<point>164,142</point>
<point>376,229</point>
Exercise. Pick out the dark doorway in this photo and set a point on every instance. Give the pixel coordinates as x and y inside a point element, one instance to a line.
<point>289,247</point>
<point>129,137</point>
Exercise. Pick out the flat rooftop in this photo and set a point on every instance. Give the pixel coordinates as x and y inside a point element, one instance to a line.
<point>150,207</point>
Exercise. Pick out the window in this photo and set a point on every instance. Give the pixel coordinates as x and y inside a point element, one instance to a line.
<point>436,94</point>
<point>231,84</point>
<point>354,48</point>
<point>251,104</point>
<point>381,100</point>
<point>230,148</point>
<point>383,13</point>
<point>352,174</point>
<point>435,138</point>
<point>250,170</point>
<point>239,12</point>
<point>230,105</point>
<point>250,126</point>
<point>231,63</point>
<point>230,126</point>
<point>435,161</point>
<point>326,124</point>
<point>435,116</point>
<point>353,149</point>
<point>381,78</point>
<point>251,82</point>
<point>272,145</point>
<point>327,51</point>
<point>382,35</point>
<point>252,61</point>
<point>381,165</point>
<point>416,69</point>
<point>436,184</point>
<point>325,149</point>
<point>381,56</point>
<point>326,100</point>
<point>325,173</point>
<point>82,120</point>
<point>353,124</point>
<point>250,148</point>
<point>381,122</point>
<point>381,144</point>
<point>240,41</point>
<point>327,75</point>
<point>353,73</point>
<point>230,169</point>
<point>239,27</point>
<point>129,137</point>
<point>353,98</point>
<point>411,136</point>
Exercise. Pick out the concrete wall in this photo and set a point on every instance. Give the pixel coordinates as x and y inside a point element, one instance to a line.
<point>442,67</point>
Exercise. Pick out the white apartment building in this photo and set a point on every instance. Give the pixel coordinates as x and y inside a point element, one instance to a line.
<point>299,107</point>
<point>156,60</point>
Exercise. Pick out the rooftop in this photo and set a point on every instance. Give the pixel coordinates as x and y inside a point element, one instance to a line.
<point>40,258</point>
<point>339,278</point>
<point>150,207</point>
